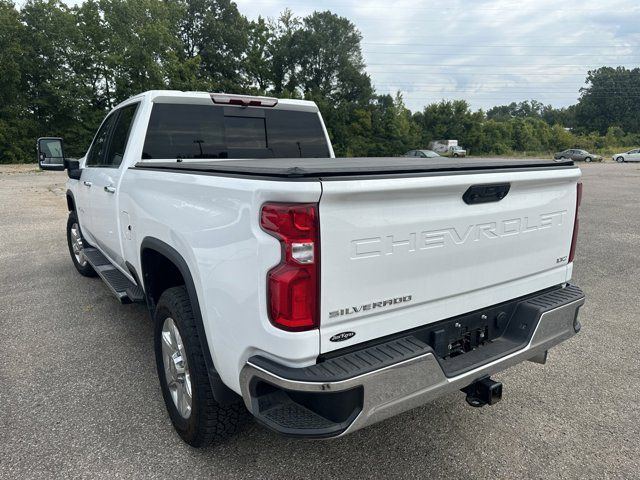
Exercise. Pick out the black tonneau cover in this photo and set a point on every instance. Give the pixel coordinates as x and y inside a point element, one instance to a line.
<point>312,168</point>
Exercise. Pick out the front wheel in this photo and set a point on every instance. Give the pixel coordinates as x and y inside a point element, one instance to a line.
<point>620,159</point>
<point>182,371</point>
<point>588,159</point>
<point>77,244</point>
<point>455,155</point>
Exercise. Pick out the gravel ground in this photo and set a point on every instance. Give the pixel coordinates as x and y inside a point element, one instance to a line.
<point>80,396</point>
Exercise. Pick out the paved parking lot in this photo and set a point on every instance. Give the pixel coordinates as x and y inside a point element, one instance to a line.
<point>79,395</point>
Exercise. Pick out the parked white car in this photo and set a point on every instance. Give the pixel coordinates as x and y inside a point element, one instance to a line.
<point>630,156</point>
<point>447,148</point>
<point>324,294</point>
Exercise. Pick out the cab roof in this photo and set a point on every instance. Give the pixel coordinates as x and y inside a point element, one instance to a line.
<point>204,98</point>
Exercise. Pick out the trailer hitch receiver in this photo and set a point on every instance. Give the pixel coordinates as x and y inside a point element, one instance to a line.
<point>483,392</point>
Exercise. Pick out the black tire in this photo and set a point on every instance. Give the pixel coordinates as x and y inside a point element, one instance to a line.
<point>83,267</point>
<point>455,155</point>
<point>620,159</point>
<point>587,159</point>
<point>208,421</point>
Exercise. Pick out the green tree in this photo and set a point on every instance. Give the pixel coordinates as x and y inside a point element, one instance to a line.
<point>137,56</point>
<point>214,36</point>
<point>609,99</point>
<point>330,59</point>
<point>55,93</point>
<point>561,138</point>
<point>496,137</point>
<point>283,53</point>
<point>259,56</point>
<point>17,126</point>
<point>450,120</point>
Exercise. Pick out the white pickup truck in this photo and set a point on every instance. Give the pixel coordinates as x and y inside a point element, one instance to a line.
<point>322,293</point>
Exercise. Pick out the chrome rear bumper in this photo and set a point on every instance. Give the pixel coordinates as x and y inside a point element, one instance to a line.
<point>393,388</point>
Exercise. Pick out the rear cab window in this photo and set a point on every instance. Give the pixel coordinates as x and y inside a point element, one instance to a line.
<point>213,131</point>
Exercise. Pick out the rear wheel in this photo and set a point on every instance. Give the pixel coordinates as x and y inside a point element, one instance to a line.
<point>77,244</point>
<point>456,155</point>
<point>620,159</point>
<point>587,159</point>
<point>182,371</point>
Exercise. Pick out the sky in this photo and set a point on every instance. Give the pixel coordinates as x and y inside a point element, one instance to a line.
<point>486,52</point>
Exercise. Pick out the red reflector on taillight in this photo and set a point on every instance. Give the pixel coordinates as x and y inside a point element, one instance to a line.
<point>292,286</point>
<point>576,223</point>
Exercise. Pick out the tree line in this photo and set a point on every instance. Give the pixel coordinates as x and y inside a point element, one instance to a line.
<point>62,68</point>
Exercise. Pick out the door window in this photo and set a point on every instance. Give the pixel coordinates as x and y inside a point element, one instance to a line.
<point>111,140</point>
<point>120,136</point>
<point>98,150</point>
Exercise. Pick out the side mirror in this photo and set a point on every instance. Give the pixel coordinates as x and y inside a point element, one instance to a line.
<point>51,153</point>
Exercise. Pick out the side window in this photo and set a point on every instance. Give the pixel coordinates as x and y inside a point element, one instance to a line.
<point>98,150</point>
<point>120,136</point>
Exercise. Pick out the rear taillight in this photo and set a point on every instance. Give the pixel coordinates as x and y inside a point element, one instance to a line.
<point>292,285</point>
<point>574,239</point>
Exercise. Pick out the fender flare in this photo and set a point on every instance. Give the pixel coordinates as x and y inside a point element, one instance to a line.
<point>71,201</point>
<point>222,394</point>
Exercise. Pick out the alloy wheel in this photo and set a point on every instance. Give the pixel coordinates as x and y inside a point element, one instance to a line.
<point>176,368</point>
<point>77,245</point>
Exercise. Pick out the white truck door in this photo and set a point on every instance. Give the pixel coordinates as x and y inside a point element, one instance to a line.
<point>93,163</point>
<point>104,172</point>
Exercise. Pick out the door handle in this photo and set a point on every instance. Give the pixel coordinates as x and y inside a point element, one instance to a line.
<point>87,183</point>
<point>110,189</point>
<point>486,193</point>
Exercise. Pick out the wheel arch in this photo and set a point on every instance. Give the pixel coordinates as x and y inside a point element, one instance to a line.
<point>71,201</point>
<point>162,267</point>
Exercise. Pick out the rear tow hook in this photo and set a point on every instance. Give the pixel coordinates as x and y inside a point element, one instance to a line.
<point>483,392</point>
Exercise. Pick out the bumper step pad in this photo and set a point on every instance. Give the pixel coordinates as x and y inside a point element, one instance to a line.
<point>278,408</point>
<point>123,289</point>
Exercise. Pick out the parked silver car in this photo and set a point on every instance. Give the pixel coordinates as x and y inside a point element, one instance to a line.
<point>421,154</point>
<point>630,156</point>
<point>577,155</point>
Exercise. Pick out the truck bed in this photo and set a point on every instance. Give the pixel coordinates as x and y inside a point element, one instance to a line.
<point>316,168</point>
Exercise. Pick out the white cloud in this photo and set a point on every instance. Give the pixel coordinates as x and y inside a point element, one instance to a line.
<point>487,52</point>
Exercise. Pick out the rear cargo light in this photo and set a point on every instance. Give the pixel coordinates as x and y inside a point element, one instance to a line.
<point>243,100</point>
<point>576,223</point>
<point>293,285</point>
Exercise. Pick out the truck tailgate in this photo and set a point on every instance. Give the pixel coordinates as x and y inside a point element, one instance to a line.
<point>401,252</point>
